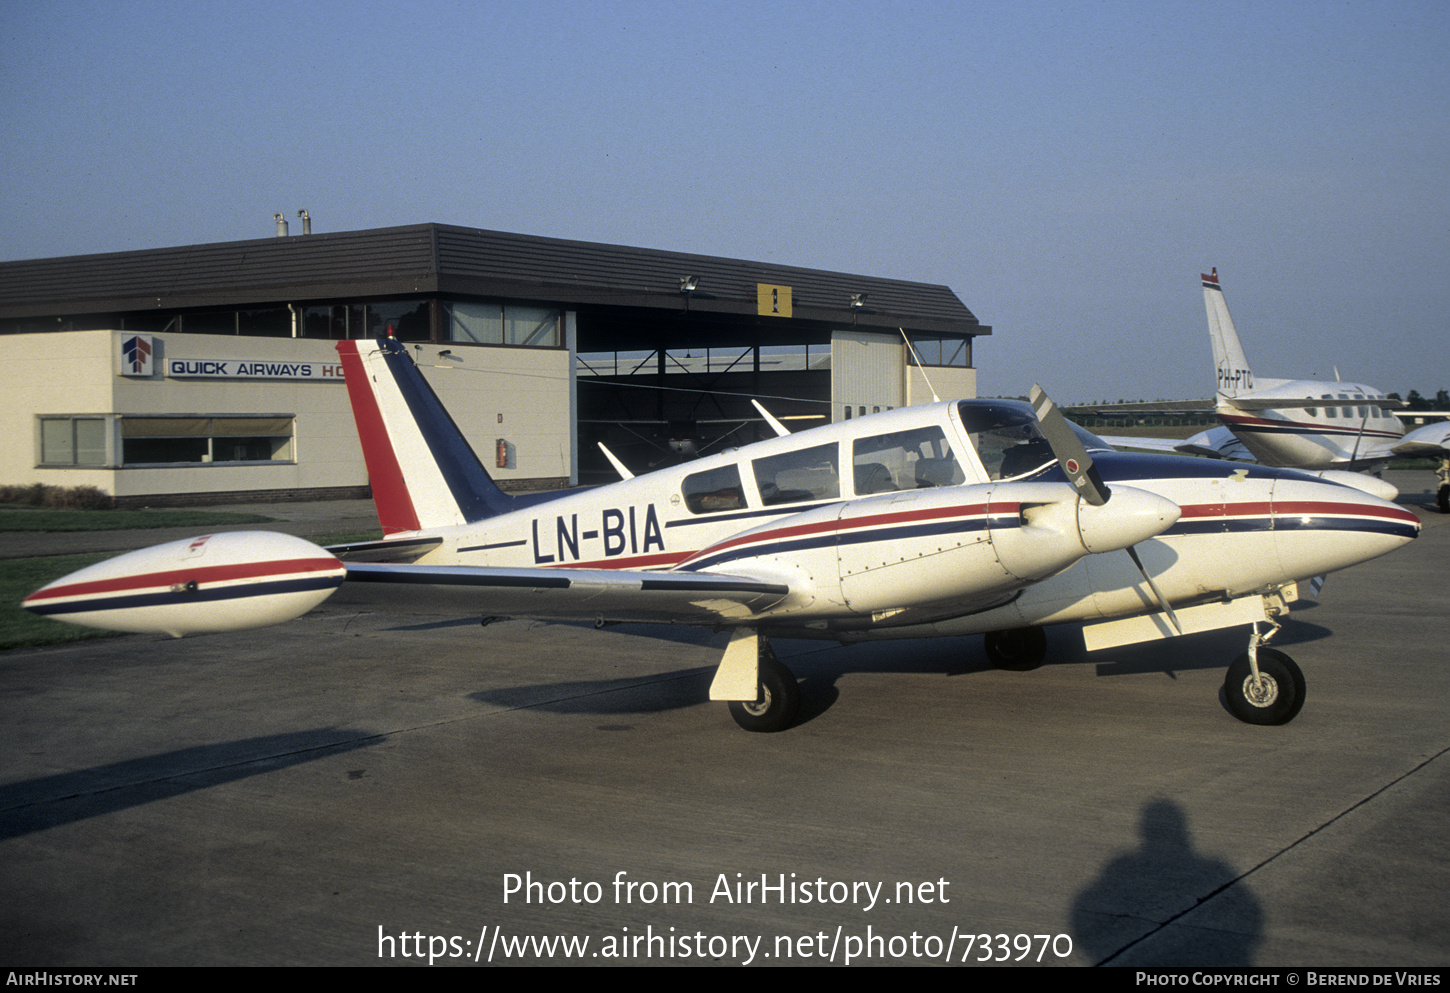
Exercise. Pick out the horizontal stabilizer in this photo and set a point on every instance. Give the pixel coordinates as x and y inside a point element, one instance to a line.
<point>387,550</point>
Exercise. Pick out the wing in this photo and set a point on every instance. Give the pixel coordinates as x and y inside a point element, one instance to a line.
<point>1432,440</point>
<point>562,594</point>
<point>1215,443</point>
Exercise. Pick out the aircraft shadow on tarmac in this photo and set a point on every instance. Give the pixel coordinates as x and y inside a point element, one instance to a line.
<point>50,801</point>
<point>819,665</point>
<point>1140,893</point>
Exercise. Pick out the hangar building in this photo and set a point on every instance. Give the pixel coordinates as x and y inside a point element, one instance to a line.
<point>208,372</point>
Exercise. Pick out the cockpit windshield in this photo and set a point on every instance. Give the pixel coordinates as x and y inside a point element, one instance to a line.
<point>1008,440</point>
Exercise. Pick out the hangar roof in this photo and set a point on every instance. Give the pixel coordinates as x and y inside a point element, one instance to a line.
<point>456,261</point>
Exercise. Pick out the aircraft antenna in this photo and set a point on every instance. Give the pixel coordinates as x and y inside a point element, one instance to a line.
<point>911,349</point>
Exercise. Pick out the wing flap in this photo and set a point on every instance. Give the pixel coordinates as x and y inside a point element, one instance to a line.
<point>561,594</point>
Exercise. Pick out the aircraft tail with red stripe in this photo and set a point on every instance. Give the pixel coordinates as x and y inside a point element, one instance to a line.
<point>1231,366</point>
<point>422,470</point>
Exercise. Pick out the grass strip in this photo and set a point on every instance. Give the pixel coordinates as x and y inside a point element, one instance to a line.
<point>13,518</point>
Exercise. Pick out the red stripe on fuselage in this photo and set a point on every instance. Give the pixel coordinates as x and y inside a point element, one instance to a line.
<point>857,523</point>
<point>1304,427</point>
<point>1294,508</point>
<point>177,577</point>
<point>390,492</point>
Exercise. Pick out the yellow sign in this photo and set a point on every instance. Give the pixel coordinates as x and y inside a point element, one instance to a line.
<point>772,301</point>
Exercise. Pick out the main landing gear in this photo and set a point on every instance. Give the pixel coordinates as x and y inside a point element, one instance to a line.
<point>1263,685</point>
<point>779,697</point>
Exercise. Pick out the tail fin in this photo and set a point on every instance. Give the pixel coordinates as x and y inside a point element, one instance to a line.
<point>1229,360</point>
<point>422,470</point>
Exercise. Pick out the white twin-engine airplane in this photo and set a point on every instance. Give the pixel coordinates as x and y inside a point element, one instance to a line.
<point>955,518</point>
<point>1300,423</point>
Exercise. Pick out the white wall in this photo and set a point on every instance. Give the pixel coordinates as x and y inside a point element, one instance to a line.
<point>951,382</point>
<point>866,371</point>
<point>519,394</point>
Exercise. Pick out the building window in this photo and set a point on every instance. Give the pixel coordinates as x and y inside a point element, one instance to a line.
<point>407,319</point>
<point>335,321</point>
<point>476,323</point>
<point>266,322</point>
<point>73,441</point>
<point>935,351</point>
<point>203,440</point>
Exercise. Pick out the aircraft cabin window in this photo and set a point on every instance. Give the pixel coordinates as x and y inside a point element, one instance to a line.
<point>1330,411</point>
<point>904,460</point>
<point>714,490</point>
<point>794,477</point>
<point>1008,440</point>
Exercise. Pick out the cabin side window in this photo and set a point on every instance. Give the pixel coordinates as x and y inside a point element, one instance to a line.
<point>1008,440</point>
<point>714,490</point>
<point>794,477</point>
<point>904,460</point>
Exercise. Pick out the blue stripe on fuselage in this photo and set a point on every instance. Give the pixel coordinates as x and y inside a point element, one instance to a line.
<point>476,494</point>
<point>1129,467</point>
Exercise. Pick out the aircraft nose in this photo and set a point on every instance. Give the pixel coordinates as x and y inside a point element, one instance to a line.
<point>1129,516</point>
<point>1322,526</point>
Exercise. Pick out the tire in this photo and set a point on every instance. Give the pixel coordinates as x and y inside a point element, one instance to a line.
<point>1017,650</point>
<point>778,702</point>
<point>1280,698</point>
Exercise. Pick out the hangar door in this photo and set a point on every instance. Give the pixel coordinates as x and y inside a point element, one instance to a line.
<point>867,374</point>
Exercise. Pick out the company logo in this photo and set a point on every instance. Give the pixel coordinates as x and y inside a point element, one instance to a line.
<point>136,354</point>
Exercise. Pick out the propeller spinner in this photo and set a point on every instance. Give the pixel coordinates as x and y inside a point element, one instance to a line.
<point>1077,464</point>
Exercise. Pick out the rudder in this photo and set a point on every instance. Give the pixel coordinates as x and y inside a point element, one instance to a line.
<point>422,471</point>
<point>1230,364</point>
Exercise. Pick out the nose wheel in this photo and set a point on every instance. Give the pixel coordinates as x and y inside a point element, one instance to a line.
<point>779,699</point>
<point>1263,685</point>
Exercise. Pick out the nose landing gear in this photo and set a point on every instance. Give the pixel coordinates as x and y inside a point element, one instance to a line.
<point>1263,685</point>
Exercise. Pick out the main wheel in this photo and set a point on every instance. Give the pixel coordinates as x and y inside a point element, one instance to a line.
<point>777,704</point>
<point>1019,650</point>
<point>1276,699</point>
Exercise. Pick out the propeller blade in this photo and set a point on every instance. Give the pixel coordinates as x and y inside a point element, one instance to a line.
<point>1157,593</point>
<point>1071,454</point>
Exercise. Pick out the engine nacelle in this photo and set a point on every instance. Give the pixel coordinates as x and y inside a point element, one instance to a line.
<point>955,545</point>
<point>218,582</point>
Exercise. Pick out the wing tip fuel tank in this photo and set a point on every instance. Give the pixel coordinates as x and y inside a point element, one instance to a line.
<point>219,582</point>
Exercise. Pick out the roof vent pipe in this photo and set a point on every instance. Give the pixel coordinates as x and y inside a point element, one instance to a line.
<point>281,225</point>
<point>306,222</point>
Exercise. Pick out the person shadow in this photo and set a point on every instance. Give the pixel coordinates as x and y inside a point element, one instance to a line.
<point>1123,917</point>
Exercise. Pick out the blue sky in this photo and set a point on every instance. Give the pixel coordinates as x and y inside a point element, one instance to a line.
<point>1067,168</point>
